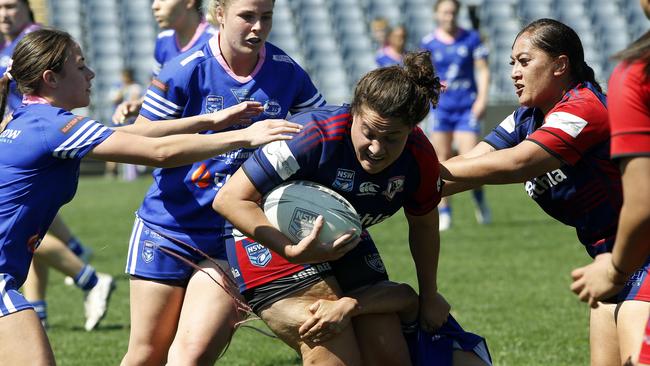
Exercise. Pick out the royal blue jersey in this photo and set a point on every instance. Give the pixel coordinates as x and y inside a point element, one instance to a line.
<point>323,153</point>
<point>180,199</point>
<point>40,153</point>
<point>14,98</point>
<point>454,63</point>
<point>585,192</point>
<point>387,57</point>
<point>167,46</point>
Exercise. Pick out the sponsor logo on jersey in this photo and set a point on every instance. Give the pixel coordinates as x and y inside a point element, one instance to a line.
<point>9,135</point>
<point>159,85</point>
<point>395,185</point>
<point>213,103</point>
<point>258,254</point>
<point>201,176</point>
<point>33,242</point>
<point>636,279</point>
<point>374,261</point>
<point>344,180</point>
<point>538,186</point>
<point>272,108</point>
<point>282,58</point>
<point>68,126</point>
<point>235,272</point>
<point>314,269</point>
<point>301,224</point>
<point>369,220</point>
<point>241,95</point>
<point>368,189</point>
<point>148,250</point>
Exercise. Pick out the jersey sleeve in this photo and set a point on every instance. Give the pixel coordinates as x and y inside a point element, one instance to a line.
<point>72,137</point>
<point>308,96</point>
<point>280,161</point>
<point>480,49</point>
<point>504,135</point>
<point>167,94</point>
<point>427,194</point>
<point>572,128</point>
<point>629,111</point>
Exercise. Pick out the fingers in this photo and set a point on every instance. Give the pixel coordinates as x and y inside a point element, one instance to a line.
<point>308,328</point>
<point>315,231</point>
<point>577,285</point>
<point>346,243</point>
<point>577,273</point>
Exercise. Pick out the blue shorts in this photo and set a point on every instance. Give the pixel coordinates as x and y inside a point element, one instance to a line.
<point>637,286</point>
<point>440,120</point>
<point>437,349</point>
<point>150,258</point>
<point>11,300</point>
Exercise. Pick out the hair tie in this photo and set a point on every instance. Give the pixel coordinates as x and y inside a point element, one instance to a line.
<point>8,71</point>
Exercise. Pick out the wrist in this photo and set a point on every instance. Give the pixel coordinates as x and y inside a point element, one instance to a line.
<point>352,306</point>
<point>616,274</point>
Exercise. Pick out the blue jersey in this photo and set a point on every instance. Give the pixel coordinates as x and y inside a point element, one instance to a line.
<point>585,192</point>
<point>14,98</point>
<point>167,46</point>
<point>387,57</point>
<point>180,200</point>
<point>454,63</point>
<point>40,153</point>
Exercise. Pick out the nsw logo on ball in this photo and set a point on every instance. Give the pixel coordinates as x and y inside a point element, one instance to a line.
<point>302,222</point>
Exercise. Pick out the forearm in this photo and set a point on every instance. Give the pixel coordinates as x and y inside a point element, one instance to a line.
<point>425,250</point>
<point>385,297</point>
<point>450,188</point>
<point>492,168</point>
<point>186,125</point>
<point>482,84</point>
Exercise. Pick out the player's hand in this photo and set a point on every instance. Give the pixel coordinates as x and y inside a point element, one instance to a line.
<point>241,114</point>
<point>434,311</point>
<point>478,110</point>
<point>126,110</point>
<point>263,132</point>
<point>312,250</point>
<point>328,319</point>
<point>597,281</point>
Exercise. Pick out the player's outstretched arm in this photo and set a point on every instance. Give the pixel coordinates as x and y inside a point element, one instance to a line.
<point>329,317</point>
<point>177,150</point>
<point>241,113</point>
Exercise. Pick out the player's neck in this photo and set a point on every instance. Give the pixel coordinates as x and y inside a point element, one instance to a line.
<point>186,33</point>
<point>240,64</point>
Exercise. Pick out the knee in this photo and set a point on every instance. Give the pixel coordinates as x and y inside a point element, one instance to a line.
<point>143,355</point>
<point>192,353</point>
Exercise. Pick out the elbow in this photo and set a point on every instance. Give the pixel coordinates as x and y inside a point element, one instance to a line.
<point>163,156</point>
<point>220,201</point>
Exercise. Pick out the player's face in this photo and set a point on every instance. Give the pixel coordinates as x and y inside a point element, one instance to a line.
<point>377,141</point>
<point>14,16</point>
<point>446,15</point>
<point>245,25</point>
<point>168,13</point>
<point>397,38</point>
<point>536,85</point>
<point>74,80</point>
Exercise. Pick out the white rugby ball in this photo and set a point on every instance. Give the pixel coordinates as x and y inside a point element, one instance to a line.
<point>294,206</point>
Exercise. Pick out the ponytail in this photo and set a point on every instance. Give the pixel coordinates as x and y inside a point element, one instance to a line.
<point>586,73</point>
<point>5,82</point>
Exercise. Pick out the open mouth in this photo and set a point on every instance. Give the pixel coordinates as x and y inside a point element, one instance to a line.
<point>254,41</point>
<point>519,89</point>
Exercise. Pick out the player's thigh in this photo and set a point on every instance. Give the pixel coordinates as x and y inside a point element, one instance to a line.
<point>467,358</point>
<point>380,339</point>
<point>603,337</point>
<point>285,316</point>
<point>23,340</point>
<point>465,141</point>
<point>209,312</point>
<point>630,322</point>
<point>441,141</point>
<point>155,310</point>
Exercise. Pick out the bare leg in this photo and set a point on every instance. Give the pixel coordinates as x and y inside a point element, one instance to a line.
<point>603,338</point>
<point>55,253</point>
<point>35,285</point>
<point>630,323</point>
<point>23,340</point>
<point>381,340</point>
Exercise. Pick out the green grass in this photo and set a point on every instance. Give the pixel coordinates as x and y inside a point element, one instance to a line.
<point>507,281</point>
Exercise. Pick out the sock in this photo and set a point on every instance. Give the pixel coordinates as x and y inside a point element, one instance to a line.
<point>445,210</point>
<point>86,278</point>
<point>40,307</point>
<point>478,196</point>
<point>75,245</point>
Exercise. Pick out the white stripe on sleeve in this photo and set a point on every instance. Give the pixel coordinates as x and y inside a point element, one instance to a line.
<point>571,124</point>
<point>281,158</point>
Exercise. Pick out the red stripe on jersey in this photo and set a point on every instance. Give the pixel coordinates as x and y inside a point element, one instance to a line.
<point>427,195</point>
<point>313,132</point>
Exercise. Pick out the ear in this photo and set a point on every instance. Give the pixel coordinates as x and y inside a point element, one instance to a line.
<point>50,78</point>
<point>190,4</point>
<point>220,15</point>
<point>561,66</point>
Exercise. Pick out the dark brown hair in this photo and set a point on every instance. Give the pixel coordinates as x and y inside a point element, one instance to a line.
<point>400,92</point>
<point>639,50</point>
<point>39,51</point>
<point>555,39</point>
<point>438,2</point>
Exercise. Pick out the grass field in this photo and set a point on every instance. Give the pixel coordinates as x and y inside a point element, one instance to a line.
<point>507,281</point>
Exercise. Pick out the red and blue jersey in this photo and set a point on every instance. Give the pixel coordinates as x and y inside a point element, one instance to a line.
<point>14,99</point>
<point>323,153</point>
<point>167,46</point>
<point>585,192</point>
<point>454,63</point>
<point>40,153</point>
<point>198,82</point>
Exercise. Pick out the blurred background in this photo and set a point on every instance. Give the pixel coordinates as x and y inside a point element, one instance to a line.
<point>332,39</point>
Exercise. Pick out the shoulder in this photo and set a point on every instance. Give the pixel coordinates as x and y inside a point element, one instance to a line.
<point>166,34</point>
<point>185,64</point>
<point>324,118</point>
<point>583,102</point>
<point>428,39</point>
<point>278,58</point>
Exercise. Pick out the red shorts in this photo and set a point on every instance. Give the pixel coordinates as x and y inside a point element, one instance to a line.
<point>644,356</point>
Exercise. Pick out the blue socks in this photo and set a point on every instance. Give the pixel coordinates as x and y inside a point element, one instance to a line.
<point>478,196</point>
<point>75,245</point>
<point>86,278</point>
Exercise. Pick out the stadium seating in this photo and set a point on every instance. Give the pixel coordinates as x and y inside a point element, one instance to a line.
<point>331,38</point>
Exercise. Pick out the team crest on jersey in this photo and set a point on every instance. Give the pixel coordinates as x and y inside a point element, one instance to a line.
<point>374,261</point>
<point>301,224</point>
<point>344,180</point>
<point>395,185</point>
<point>272,108</point>
<point>258,254</point>
<point>213,103</point>
<point>241,94</point>
<point>368,189</point>
<point>148,251</point>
